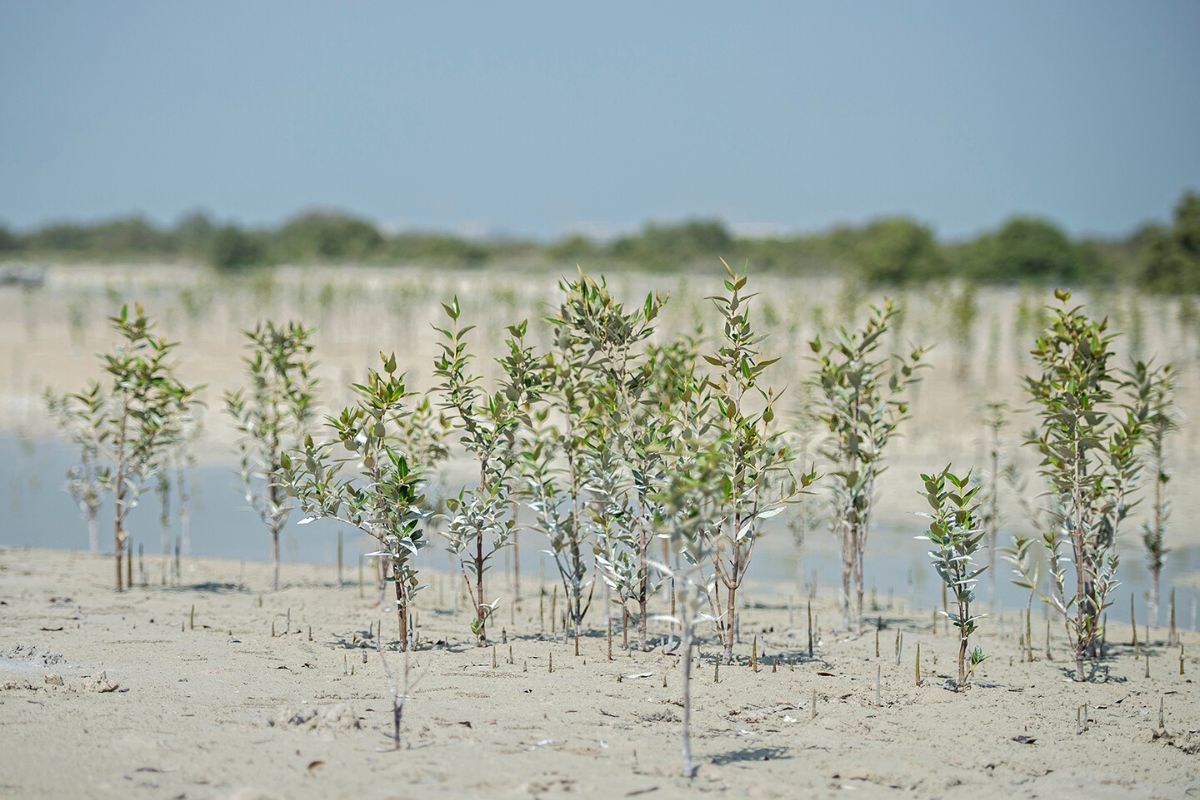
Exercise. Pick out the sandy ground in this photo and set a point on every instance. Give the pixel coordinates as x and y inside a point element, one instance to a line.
<point>149,706</point>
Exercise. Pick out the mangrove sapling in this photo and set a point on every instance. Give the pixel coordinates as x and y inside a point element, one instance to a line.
<point>687,508</point>
<point>271,417</point>
<point>182,459</point>
<point>758,480</point>
<point>804,429</point>
<point>1088,443</point>
<point>955,534</point>
<point>615,547</point>
<point>861,401</point>
<point>558,510</point>
<point>1157,386</point>
<point>137,416</point>
<point>422,435</point>
<point>168,463</point>
<point>626,436</point>
<point>669,370</point>
<point>172,463</point>
<point>668,376</point>
<point>399,691</point>
<point>489,424</point>
<point>1019,554</point>
<point>163,488</point>
<point>80,416</point>
<point>554,460</point>
<point>373,488</point>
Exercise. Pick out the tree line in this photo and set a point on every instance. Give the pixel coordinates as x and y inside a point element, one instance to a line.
<point>892,250</point>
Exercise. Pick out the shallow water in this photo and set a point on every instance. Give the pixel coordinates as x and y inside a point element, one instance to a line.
<point>37,512</point>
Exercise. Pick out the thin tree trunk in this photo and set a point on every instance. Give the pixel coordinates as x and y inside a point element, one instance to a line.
<point>860,547</point>
<point>853,548</point>
<point>964,612</point>
<point>1029,630</point>
<point>688,769</point>
<point>847,570</point>
<point>516,542</point>
<point>120,549</point>
<point>164,533</point>
<point>728,630</point>
<point>962,658</point>
<point>1081,562</point>
<point>643,585</point>
<point>119,489</point>
<point>274,493</point>
<point>608,616</point>
<point>401,608</point>
<point>574,591</point>
<point>275,558</point>
<point>1156,564</point>
<point>479,614</point>
<point>119,522</point>
<point>381,568</point>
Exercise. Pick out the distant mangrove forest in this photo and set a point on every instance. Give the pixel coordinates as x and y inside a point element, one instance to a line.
<point>891,250</point>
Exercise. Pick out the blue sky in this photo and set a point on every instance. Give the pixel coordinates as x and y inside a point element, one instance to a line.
<point>539,118</point>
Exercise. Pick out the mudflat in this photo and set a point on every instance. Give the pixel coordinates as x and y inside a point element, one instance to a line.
<point>184,692</point>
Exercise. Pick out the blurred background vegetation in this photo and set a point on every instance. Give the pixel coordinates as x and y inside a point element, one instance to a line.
<point>894,250</point>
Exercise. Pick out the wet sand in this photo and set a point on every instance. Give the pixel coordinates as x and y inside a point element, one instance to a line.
<point>152,706</point>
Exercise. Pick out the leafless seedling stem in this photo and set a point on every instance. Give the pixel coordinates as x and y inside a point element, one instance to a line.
<point>398,692</point>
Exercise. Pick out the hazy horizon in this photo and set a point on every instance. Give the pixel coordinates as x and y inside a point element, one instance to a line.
<point>540,120</point>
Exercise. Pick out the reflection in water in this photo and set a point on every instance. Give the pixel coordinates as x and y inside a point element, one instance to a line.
<point>39,513</point>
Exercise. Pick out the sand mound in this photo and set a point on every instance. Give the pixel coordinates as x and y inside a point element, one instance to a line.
<point>322,719</point>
